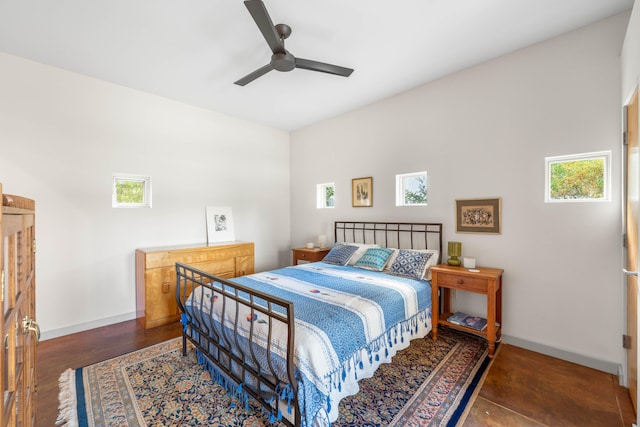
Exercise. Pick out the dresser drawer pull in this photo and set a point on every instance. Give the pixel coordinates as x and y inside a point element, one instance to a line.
<point>166,287</point>
<point>460,281</point>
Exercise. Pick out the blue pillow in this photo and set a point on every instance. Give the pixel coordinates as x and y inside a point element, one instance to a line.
<point>410,263</point>
<point>340,254</point>
<point>374,259</point>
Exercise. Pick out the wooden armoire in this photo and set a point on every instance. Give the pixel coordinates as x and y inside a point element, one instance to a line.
<point>18,327</point>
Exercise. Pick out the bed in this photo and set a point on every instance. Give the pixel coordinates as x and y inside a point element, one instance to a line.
<point>298,339</point>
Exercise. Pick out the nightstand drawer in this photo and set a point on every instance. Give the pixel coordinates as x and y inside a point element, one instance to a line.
<point>463,283</point>
<point>309,255</point>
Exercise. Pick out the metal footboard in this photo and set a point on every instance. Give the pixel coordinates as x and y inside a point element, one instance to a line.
<point>239,348</point>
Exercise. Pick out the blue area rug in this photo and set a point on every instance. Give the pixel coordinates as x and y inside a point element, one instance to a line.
<point>431,383</point>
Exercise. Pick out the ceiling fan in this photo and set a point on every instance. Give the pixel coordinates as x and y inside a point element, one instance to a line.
<point>281,59</point>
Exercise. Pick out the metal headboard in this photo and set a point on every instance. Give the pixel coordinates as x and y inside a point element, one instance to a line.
<point>403,235</point>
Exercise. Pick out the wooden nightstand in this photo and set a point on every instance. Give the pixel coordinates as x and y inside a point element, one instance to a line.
<point>487,281</point>
<point>310,255</point>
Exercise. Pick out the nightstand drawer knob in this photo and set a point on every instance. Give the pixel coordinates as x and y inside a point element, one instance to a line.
<point>460,281</point>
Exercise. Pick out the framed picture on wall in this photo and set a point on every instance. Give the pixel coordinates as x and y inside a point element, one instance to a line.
<point>479,216</point>
<point>362,192</point>
<point>219,224</point>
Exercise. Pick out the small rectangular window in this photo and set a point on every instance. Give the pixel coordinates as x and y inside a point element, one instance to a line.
<point>325,195</point>
<point>131,191</point>
<point>578,178</point>
<point>411,189</point>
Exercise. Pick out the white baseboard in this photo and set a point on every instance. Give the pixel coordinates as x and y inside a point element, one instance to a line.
<point>55,333</point>
<point>622,377</point>
<point>601,365</point>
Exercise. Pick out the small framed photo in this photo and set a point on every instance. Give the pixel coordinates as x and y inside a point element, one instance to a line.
<point>219,224</point>
<point>479,216</point>
<point>362,192</point>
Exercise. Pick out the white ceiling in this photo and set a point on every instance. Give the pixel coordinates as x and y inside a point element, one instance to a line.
<point>193,50</point>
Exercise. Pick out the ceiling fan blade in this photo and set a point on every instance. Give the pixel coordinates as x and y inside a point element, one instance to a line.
<point>308,64</point>
<point>259,13</point>
<point>252,76</point>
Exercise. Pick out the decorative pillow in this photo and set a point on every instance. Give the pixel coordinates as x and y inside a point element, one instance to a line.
<point>411,263</point>
<point>435,256</point>
<point>362,248</point>
<point>340,254</point>
<point>433,260</point>
<point>374,259</point>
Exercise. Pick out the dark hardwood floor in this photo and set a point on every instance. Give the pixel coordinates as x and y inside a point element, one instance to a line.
<point>522,388</point>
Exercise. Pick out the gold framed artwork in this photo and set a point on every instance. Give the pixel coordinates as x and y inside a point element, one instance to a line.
<point>362,192</point>
<point>479,216</point>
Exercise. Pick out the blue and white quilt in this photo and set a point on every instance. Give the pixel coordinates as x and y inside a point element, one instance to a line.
<point>348,322</point>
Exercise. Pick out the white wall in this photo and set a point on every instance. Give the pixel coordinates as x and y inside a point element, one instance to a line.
<point>62,135</point>
<point>630,56</point>
<point>485,132</point>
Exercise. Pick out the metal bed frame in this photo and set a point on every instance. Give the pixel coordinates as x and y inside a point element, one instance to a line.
<point>391,234</point>
<point>230,356</point>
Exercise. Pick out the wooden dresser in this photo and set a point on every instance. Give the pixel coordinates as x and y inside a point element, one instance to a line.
<point>156,274</point>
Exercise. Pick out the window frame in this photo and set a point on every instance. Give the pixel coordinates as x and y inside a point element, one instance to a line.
<point>321,193</point>
<point>146,192</point>
<point>401,187</point>
<point>605,155</point>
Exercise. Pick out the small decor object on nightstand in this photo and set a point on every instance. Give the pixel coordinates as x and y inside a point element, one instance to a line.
<point>455,250</point>
<point>468,262</point>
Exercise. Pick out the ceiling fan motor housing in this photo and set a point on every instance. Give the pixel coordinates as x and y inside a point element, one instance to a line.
<point>283,61</point>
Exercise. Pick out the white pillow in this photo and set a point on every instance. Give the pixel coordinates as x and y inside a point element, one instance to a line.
<point>362,248</point>
<point>433,260</point>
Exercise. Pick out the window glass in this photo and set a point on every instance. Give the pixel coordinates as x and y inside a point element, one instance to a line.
<point>325,195</point>
<point>578,177</point>
<point>411,189</point>
<point>131,191</point>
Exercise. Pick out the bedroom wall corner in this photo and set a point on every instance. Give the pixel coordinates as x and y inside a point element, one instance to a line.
<point>485,132</point>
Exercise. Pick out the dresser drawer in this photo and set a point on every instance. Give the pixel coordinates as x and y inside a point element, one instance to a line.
<point>224,268</point>
<point>463,283</point>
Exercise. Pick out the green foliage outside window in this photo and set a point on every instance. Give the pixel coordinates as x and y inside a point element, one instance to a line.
<point>329,196</point>
<point>418,193</point>
<point>129,191</point>
<point>579,179</point>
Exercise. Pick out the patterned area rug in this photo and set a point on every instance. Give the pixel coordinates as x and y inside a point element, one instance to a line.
<point>428,384</point>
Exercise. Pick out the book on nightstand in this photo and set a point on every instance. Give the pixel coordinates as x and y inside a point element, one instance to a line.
<point>463,319</point>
